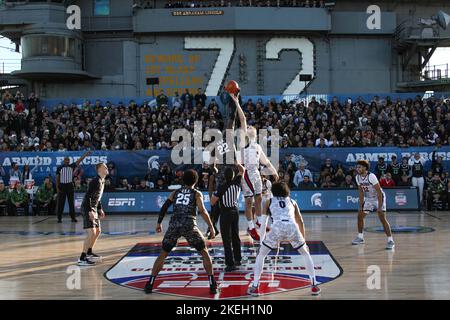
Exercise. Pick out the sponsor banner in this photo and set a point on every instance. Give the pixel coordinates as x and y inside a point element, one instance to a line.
<point>183,272</point>
<point>318,200</point>
<point>130,164</point>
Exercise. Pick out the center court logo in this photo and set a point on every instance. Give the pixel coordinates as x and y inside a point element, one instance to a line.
<point>183,273</point>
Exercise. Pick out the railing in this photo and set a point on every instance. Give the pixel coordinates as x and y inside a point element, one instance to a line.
<point>436,72</point>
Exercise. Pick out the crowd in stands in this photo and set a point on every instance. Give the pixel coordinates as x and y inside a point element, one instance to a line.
<point>101,125</point>
<point>25,125</point>
<point>246,3</point>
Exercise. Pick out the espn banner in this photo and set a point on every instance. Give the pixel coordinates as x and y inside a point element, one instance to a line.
<point>318,200</point>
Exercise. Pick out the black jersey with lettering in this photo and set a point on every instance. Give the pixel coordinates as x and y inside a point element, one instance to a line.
<point>417,169</point>
<point>184,204</point>
<point>394,169</point>
<point>405,169</point>
<point>380,169</point>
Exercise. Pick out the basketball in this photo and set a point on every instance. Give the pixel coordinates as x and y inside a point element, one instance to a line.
<point>232,87</point>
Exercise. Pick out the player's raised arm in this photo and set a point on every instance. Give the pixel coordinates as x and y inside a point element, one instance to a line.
<point>299,219</point>
<point>83,157</point>
<point>202,211</point>
<point>265,161</point>
<point>163,211</point>
<point>242,120</point>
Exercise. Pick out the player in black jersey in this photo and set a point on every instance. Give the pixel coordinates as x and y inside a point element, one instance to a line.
<point>417,169</point>
<point>405,168</point>
<point>394,169</point>
<point>186,201</point>
<point>224,151</point>
<point>381,168</point>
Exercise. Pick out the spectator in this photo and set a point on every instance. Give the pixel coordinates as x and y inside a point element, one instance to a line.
<point>300,173</point>
<point>328,183</point>
<point>142,186</point>
<point>109,187</point>
<point>15,172</point>
<point>436,193</point>
<point>339,177</point>
<point>349,182</point>
<point>19,199</point>
<point>2,173</point>
<point>306,183</point>
<point>4,198</point>
<point>436,163</point>
<point>44,198</point>
<point>381,168</point>
<point>387,181</point>
<point>404,181</point>
<point>200,98</point>
<point>161,99</point>
<point>78,186</point>
<point>394,169</point>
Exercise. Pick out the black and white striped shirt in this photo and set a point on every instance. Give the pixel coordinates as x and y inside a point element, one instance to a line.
<point>228,193</point>
<point>66,173</point>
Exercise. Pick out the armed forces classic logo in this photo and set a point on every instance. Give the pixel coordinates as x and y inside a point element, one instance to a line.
<point>183,274</point>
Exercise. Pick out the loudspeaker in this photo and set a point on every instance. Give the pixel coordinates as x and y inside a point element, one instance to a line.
<point>152,81</point>
<point>305,77</point>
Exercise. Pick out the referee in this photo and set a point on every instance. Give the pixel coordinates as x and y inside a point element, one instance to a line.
<point>64,186</point>
<point>227,195</point>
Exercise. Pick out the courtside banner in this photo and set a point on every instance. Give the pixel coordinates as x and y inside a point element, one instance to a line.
<point>131,164</point>
<point>317,200</point>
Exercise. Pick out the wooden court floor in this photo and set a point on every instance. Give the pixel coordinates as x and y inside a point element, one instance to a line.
<point>35,253</point>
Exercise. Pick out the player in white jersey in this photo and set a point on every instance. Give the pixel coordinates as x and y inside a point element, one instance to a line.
<point>287,226</point>
<point>251,157</point>
<point>371,198</point>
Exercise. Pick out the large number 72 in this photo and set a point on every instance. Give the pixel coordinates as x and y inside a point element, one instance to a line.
<point>274,47</point>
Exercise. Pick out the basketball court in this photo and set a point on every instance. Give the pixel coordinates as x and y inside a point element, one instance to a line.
<point>38,260</point>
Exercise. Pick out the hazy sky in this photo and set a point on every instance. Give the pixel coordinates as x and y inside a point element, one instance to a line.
<point>10,60</point>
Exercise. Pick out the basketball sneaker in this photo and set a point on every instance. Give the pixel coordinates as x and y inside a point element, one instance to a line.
<point>253,233</point>
<point>315,290</point>
<point>390,245</point>
<point>357,241</point>
<point>85,262</point>
<point>253,290</point>
<point>213,288</point>
<point>148,287</point>
<point>258,225</point>
<point>94,257</point>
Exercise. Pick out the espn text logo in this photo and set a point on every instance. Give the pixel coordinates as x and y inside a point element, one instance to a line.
<point>121,202</point>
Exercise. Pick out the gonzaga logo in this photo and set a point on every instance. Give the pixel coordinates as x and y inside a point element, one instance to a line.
<point>183,273</point>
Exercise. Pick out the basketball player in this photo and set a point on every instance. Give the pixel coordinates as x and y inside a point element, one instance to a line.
<point>417,168</point>
<point>287,225</point>
<point>92,212</point>
<point>253,156</point>
<point>223,149</point>
<point>371,197</point>
<point>186,201</point>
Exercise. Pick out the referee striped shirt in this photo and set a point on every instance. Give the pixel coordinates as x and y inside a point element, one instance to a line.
<point>228,193</point>
<point>66,173</point>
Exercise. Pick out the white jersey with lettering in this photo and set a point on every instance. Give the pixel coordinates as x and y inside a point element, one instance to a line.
<point>251,184</point>
<point>367,184</point>
<point>284,227</point>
